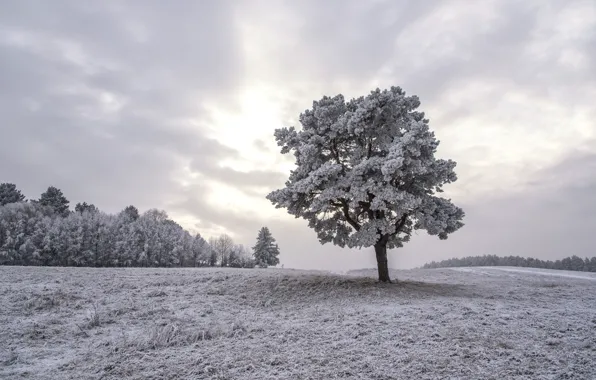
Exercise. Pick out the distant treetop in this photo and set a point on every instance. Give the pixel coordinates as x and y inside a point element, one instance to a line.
<point>10,194</point>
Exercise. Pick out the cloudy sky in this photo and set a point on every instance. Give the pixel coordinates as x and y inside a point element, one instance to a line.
<point>172,105</point>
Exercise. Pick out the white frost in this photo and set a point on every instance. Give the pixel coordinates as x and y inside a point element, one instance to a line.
<point>366,171</point>
<point>155,323</point>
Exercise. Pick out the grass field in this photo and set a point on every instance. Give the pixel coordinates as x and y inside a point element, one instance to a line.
<point>471,323</point>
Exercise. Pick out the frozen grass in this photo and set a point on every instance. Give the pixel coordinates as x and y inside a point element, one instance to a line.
<point>482,323</point>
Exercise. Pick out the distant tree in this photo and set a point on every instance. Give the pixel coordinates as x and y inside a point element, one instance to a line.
<point>155,215</point>
<point>234,257</point>
<point>366,173</point>
<point>212,255</point>
<point>577,263</point>
<point>222,246</point>
<point>54,198</point>
<point>240,257</point>
<point>22,229</point>
<point>84,207</point>
<point>265,251</point>
<point>10,194</point>
<point>200,251</point>
<point>33,234</point>
<point>593,264</point>
<point>246,257</point>
<point>568,263</point>
<point>132,212</point>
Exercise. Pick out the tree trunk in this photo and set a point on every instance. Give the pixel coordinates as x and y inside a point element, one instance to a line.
<point>381,252</point>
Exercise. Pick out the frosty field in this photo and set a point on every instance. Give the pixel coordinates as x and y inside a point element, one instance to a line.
<point>468,323</point>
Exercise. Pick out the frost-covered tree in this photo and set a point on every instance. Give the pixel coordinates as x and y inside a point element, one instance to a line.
<point>54,198</point>
<point>132,212</point>
<point>32,234</point>
<point>222,247</point>
<point>592,265</point>
<point>84,207</point>
<point>240,257</point>
<point>212,255</point>
<point>366,173</point>
<point>234,257</point>
<point>22,228</point>
<point>10,194</point>
<point>265,251</point>
<point>199,252</point>
<point>516,261</point>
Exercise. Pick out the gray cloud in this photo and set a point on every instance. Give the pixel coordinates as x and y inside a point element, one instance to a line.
<point>244,180</point>
<point>110,102</point>
<point>551,217</point>
<point>61,64</point>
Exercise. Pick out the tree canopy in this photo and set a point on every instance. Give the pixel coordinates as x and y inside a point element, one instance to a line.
<point>85,207</point>
<point>366,173</point>
<point>54,199</point>
<point>10,194</point>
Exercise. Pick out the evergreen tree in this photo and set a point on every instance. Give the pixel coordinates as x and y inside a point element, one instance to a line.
<point>266,251</point>
<point>132,212</point>
<point>10,194</point>
<point>54,198</point>
<point>33,234</point>
<point>84,207</point>
<point>593,264</point>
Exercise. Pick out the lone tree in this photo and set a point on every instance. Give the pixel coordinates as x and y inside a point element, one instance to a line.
<point>54,198</point>
<point>10,194</point>
<point>366,174</point>
<point>266,251</point>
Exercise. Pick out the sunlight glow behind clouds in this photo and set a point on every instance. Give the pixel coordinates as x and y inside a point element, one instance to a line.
<point>498,131</point>
<point>175,106</point>
<point>258,116</point>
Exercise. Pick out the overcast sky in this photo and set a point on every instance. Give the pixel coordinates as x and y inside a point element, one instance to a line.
<point>172,105</point>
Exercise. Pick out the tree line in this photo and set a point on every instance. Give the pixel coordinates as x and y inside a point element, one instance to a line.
<point>46,232</point>
<point>574,263</point>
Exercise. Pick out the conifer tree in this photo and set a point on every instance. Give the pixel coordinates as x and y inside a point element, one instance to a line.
<point>266,251</point>
<point>132,212</point>
<point>54,198</point>
<point>10,194</point>
<point>84,207</point>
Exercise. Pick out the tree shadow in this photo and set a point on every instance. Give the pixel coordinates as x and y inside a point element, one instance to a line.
<point>282,288</point>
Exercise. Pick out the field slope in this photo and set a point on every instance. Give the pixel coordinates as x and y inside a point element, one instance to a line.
<point>469,323</point>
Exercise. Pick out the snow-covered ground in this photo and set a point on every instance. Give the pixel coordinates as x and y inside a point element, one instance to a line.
<point>469,323</point>
<point>538,271</point>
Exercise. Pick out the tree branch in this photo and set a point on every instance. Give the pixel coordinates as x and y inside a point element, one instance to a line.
<point>400,223</point>
<point>335,152</point>
<point>346,211</point>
